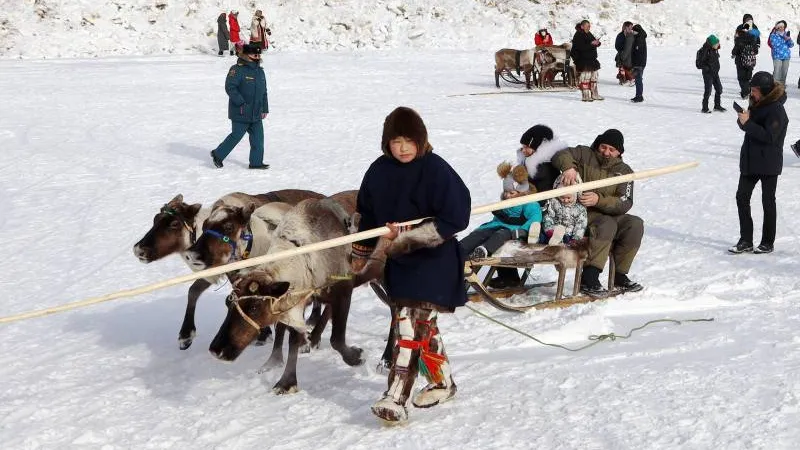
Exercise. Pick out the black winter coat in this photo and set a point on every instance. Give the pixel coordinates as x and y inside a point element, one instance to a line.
<point>764,133</point>
<point>709,59</point>
<point>745,49</point>
<point>583,52</point>
<point>425,187</point>
<point>639,53</point>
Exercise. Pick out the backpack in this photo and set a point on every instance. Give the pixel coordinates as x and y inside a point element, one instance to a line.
<point>700,58</point>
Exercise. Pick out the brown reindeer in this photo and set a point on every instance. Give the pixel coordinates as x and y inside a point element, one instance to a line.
<point>508,59</point>
<point>263,296</point>
<point>175,229</point>
<point>550,60</point>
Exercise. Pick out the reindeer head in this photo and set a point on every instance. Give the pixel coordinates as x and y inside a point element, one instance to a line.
<point>172,231</point>
<point>256,302</point>
<point>224,237</point>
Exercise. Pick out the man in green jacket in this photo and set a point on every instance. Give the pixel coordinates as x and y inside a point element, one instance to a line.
<point>609,224</point>
<point>246,86</point>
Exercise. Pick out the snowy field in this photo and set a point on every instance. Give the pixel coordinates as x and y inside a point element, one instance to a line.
<point>92,149</point>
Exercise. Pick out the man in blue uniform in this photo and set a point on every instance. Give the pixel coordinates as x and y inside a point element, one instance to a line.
<point>246,86</point>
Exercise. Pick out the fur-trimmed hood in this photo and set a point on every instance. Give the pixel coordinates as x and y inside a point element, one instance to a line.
<point>777,94</point>
<point>543,154</point>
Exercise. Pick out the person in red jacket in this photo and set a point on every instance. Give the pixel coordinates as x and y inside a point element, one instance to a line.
<point>233,27</point>
<point>543,38</point>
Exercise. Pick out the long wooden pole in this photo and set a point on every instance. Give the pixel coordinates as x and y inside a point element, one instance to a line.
<point>343,240</point>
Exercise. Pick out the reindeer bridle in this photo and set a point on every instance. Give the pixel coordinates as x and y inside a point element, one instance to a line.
<point>245,236</point>
<point>272,306</point>
<point>166,209</point>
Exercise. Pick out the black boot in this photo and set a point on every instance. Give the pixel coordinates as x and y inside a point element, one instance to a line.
<point>590,282</point>
<point>507,277</point>
<point>624,283</point>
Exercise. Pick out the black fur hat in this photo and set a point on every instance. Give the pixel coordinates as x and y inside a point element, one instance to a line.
<point>535,135</point>
<point>612,137</point>
<point>763,81</point>
<point>404,121</point>
<point>251,49</point>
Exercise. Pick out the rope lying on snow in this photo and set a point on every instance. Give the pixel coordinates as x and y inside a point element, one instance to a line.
<point>596,338</point>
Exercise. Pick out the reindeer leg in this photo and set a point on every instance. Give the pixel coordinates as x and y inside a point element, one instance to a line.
<point>276,357</point>
<point>316,313</point>
<point>264,336</point>
<point>288,382</point>
<point>187,332</point>
<point>316,334</point>
<point>340,304</point>
<point>497,79</point>
<point>386,358</point>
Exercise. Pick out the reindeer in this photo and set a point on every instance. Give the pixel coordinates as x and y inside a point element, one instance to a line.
<point>263,296</point>
<point>175,229</point>
<point>552,59</point>
<point>508,59</point>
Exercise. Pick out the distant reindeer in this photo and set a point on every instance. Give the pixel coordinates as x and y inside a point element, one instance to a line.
<point>176,228</point>
<point>554,59</point>
<point>509,60</point>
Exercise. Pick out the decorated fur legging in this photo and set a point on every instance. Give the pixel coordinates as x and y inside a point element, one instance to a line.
<point>418,348</point>
<point>587,82</point>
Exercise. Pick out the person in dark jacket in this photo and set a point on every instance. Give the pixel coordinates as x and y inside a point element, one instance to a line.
<point>639,60</point>
<point>747,19</point>
<point>248,106</point>
<point>424,271</point>
<point>624,45</point>
<point>611,229</point>
<point>745,49</point>
<point>584,54</point>
<point>222,34</point>
<point>707,60</point>
<point>761,159</point>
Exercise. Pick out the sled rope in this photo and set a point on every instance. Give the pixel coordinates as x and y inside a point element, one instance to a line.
<point>343,240</point>
<point>595,338</point>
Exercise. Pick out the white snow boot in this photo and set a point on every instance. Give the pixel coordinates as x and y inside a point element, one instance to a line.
<point>558,235</point>
<point>390,411</point>
<point>432,395</point>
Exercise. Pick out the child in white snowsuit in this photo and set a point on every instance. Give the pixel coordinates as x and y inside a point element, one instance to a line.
<point>565,219</point>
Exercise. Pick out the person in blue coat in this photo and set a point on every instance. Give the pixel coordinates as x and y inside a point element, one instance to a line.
<point>246,86</point>
<point>424,271</point>
<point>521,222</point>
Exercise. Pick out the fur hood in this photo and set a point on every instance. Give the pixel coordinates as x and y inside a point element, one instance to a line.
<point>543,154</point>
<point>777,94</point>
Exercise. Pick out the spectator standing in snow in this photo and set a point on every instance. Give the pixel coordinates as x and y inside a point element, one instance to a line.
<point>639,60</point>
<point>222,34</point>
<point>233,24</point>
<point>259,30</point>
<point>761,159</point>
<point>781,43</point>
<point>707,60</point>
<point>747,19</point>
<point>745,49</point>
<point>584,53</point>
<point>246,86</point>
<point>543,38</point>
<point>624,45</point>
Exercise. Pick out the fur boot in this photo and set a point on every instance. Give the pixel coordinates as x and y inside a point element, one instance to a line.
<point>440,387</point>
<point>533,233</point>
<point>595,95</point>
<point>586,94</point>
<point>557,236</point>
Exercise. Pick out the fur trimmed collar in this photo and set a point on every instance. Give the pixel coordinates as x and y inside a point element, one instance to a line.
<point>544,153</point>
<point>777,94</point>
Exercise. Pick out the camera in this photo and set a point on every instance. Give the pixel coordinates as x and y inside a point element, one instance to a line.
<point>746,27</point>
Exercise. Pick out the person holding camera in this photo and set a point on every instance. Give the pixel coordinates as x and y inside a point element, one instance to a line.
<point>745,49</point>
<point>761,159</point>
<point>780,42</point>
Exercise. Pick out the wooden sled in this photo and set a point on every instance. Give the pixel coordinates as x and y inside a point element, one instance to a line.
<point>525,257</point>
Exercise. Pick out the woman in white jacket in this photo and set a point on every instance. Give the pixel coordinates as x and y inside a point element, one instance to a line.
<point>259,30</point>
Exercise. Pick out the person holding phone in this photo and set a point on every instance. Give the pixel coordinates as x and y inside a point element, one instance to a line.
<point>780,41</point>
<point>761,159</point>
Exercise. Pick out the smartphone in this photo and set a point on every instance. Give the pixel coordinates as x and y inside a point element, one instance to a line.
<point>737,107</point>
<point>788,33</point>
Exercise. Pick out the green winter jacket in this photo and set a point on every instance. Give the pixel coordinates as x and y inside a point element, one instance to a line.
<point>591,166</point>
<point>246,86</point>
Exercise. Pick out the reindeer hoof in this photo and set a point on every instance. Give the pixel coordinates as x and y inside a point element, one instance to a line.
<point>278,389</point>
<point>305,348</point>
<point>353,356</point>
<point>185,342</point>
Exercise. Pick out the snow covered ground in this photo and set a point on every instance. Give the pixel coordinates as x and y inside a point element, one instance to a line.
<point>34,29</point>
<point>92,148</point>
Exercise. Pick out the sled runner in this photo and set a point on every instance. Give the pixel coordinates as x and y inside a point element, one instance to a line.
<point>526,257</point>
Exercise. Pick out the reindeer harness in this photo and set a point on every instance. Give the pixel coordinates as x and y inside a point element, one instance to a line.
<point>190,228</point>
<point>245,236</point>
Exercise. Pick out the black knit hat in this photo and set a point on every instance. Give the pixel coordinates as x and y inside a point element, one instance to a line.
<point>535,135</point>
<point>612,137</point>
<point>746,17</point>
<point>251,49</point>
<point>405,122</point>
<point>763,81</point>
